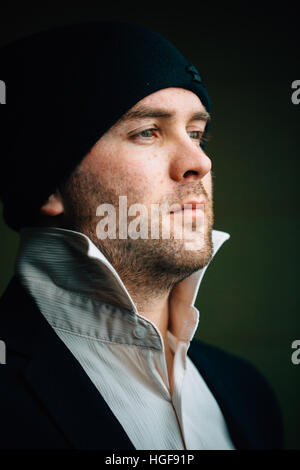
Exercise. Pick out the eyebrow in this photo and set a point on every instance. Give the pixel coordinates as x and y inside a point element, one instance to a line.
<point>144,112</point>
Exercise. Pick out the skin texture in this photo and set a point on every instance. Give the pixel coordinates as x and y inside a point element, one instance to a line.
<point>166,165</point>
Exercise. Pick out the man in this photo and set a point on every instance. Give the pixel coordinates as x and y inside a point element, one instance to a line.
<point>98,320</point>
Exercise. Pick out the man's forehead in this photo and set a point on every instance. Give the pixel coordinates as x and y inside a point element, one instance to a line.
<point>177,104</point>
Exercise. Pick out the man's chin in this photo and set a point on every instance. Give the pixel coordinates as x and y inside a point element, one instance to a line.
<point>177,258</point>
<point>191,260</point>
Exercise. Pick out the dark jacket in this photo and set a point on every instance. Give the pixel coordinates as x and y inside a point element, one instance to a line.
<point>47,401</point>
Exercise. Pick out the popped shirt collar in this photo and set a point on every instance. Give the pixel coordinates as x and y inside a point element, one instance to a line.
<point>74,272</point>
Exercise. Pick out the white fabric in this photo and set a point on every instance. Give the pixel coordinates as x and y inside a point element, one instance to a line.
<point>85,301</point>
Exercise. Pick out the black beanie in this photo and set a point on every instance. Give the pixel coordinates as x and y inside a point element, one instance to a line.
<point>65,87</point>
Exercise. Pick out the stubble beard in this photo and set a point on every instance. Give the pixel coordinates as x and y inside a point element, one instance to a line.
<point>151,265</point>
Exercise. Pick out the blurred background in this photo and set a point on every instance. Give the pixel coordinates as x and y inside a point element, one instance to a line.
<point>248,57</point>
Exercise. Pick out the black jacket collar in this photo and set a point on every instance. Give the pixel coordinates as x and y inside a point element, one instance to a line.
<point>62,385</point>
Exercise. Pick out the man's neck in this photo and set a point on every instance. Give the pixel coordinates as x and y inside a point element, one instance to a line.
<point>155,307</point>
<point>157,310</point>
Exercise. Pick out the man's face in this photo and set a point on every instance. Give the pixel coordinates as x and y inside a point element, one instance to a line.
<point>151,160</point>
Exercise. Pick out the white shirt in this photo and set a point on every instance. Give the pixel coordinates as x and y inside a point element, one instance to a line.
<point>84,300</point>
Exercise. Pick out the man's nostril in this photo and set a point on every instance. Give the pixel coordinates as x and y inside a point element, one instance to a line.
<point>190,172</point>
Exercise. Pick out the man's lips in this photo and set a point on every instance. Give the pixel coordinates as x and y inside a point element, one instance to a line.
<point>190,206</point>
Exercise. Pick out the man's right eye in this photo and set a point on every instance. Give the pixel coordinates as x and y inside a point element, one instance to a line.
<point>144,132</point>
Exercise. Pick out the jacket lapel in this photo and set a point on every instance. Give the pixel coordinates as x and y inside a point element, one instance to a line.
<point>56,377</point>
<point>226,379</point>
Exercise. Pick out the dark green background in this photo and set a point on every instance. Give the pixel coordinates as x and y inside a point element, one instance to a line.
<point>248,57</point>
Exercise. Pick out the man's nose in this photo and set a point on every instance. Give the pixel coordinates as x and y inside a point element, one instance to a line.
<point>188,161</point>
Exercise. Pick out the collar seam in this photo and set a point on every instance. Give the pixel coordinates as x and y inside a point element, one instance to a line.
<point>103,340</point>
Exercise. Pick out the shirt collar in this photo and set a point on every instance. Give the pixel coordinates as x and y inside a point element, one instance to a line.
<point>70,261</point>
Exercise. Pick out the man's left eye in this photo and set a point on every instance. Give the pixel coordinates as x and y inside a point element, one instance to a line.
<point>197,133</point>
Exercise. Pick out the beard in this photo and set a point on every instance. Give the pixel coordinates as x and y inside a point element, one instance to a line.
<point>151,264</point>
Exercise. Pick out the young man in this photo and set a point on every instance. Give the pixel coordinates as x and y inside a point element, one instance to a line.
<point>104,130</point>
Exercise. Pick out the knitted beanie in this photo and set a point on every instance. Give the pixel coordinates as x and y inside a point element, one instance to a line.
<point>65,87</point>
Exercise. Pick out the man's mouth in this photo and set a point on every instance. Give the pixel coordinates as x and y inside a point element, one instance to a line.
<point>193,208</point>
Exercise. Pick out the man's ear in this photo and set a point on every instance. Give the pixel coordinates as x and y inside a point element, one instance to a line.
<point>54,205</point>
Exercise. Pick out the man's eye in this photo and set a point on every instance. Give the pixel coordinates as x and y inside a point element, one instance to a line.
<point>197,134</point>
<point>146,133</point>
<point>200,137</point>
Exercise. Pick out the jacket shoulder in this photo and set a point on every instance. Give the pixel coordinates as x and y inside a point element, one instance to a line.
<point>245,389</point>
<point>234,365</point>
